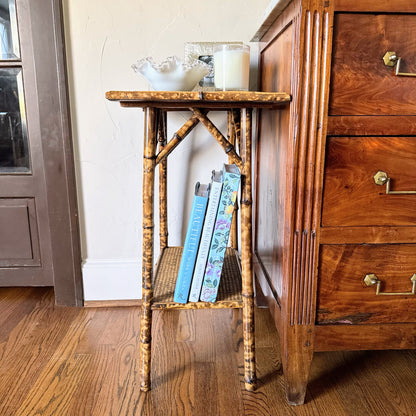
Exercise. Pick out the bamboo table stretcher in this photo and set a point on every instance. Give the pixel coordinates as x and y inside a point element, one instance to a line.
<point>236,287</point>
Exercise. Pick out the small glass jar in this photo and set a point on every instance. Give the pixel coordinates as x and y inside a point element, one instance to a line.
<point>231,67</point>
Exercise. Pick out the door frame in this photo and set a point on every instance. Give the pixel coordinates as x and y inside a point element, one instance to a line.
<point>54,113</point>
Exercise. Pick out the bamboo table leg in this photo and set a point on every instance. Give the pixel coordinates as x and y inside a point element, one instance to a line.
<point>232,131</point>
<point>246,253</point>
<point>150,137</point>
<point>163,196</point>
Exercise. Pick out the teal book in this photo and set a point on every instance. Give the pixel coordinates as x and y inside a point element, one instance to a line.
<point>190,248</point>
<point>206,236</point>
<point>221,233</point>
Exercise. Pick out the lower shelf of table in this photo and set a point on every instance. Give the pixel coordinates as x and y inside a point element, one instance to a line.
<point>229,292</point>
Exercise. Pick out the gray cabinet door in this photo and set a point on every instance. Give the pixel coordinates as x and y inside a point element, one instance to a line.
<point>39,242</point>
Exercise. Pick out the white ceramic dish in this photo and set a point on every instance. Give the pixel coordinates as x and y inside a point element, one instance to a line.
<point>172,74</point>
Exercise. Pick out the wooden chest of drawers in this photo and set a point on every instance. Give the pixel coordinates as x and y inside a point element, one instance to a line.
<point>335,212</point>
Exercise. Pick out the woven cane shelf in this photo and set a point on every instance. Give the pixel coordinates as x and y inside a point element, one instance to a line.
<point>229,292</point>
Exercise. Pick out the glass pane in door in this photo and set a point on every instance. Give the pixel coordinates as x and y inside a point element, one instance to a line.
<point>14,152</point>
<point>9,41</point>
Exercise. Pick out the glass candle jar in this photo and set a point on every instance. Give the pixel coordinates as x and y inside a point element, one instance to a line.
<point>231,67</point>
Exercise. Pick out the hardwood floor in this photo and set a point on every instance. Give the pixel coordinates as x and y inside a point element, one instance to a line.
<point>75,362</point>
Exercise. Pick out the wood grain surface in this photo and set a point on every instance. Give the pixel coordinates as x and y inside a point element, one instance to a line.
<point>272,170</point>
<point>381,6</point>
<point>344,298</point>
<point>325,192</point>
<point>209,99</point>
<point>371,126</point>
<point>365,337</point>
<point>290,159</point>
<point>84,362</point>
<point>360,82</point>
<point>351,197</point>
<point>368,235</point>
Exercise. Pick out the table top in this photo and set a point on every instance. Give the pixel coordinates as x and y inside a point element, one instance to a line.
<point>199,99</point>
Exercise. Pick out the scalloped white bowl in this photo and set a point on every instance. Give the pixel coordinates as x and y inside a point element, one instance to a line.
<point>172,74</point>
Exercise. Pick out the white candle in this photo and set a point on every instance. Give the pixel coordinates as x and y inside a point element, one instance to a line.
<point>232,67</point>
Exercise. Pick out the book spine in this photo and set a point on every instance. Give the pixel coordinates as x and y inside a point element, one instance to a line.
<point>202,256</point>
<point>220,237</point>
<point>193,234</point>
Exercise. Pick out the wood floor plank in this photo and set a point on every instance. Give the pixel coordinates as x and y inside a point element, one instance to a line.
<point>204,336</point>
<point>120,385</point>
<point>205,386</point>
<point>185,327</point>
<point>14,306</point>
<point>269,394</point>
<point>28,349</point>
<point>95,335</point>
<point>52,393</point>
<point>373,376</point>
<point>320,399</point>
<point>92,383</point>
<point>269,380</point>
<point>181,373</point>
<point>390,392</point>
<point>228,334</point>
<point>85,362</point>
<point>121,325</point>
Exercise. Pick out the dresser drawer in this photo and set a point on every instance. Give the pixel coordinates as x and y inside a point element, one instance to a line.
<point>351,196</point>
<point>361,84</point>
<point>345,298</point>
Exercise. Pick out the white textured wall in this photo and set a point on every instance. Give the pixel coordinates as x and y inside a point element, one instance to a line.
<point>103,39</point>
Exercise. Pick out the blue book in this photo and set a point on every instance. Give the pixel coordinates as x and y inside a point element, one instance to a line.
<point>190,248</point>
<point>206,236</point>
<point>231,181</point>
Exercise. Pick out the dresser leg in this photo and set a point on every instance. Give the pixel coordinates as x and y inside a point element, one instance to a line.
<point>297,353</point>
<point>150,137</point>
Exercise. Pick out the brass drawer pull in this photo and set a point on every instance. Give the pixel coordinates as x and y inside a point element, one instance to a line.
<point>371,279</point>
<point>381,178</point>
<point>391,59</point>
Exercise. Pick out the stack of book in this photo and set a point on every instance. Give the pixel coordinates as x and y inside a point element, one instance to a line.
<point>207,237</point>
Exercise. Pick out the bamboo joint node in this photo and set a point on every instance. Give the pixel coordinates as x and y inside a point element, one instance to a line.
<point>246,202</point>
<point>228,149</point>
<point>247,296</point>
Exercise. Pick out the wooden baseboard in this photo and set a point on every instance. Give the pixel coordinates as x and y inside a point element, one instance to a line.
<point>112,303</point>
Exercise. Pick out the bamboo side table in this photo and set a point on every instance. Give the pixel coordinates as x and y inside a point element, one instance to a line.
<point>236,288</point>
